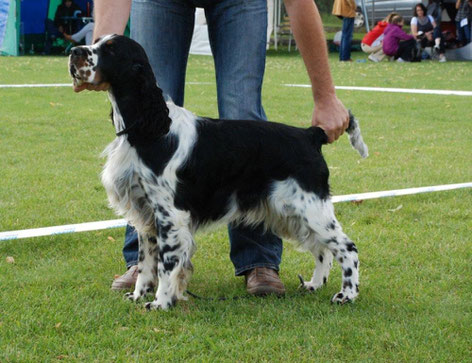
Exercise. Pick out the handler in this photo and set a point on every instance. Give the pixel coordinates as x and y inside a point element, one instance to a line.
<point>237,32</point>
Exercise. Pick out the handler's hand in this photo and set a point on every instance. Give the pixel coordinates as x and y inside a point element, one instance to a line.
<point>331,115</point>
<point>104,86</point>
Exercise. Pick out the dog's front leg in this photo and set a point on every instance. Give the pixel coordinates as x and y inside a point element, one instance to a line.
<point>147,267</point>
<point>176,247</point>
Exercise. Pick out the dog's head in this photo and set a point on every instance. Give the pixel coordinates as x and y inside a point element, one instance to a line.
<point>114,59</point>
<point>123,64</point>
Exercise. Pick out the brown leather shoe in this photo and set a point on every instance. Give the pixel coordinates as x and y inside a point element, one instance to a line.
<point>127,280</point>
<point>264,281</point>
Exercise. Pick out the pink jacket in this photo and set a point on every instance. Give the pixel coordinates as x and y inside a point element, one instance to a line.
<point>392,36</point>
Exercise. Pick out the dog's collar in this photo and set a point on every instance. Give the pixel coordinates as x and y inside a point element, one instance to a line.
<point>125,130</point>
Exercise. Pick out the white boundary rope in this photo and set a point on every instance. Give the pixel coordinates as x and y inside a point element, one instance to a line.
<point>35,85</point>
<point>395,90</point>
<point>44,85</point>
<point>349,88</point>
<point>116,223</point>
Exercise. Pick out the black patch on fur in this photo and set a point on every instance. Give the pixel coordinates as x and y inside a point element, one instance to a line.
<point>351,247</point>
<point>348,272</point>
<point>170,263</point>
<point>166,249</point>
<point>162,211</point>
<point>163,230</point>
<point>255,155</point>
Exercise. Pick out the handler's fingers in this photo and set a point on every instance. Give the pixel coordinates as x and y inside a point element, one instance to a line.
<point>80,88</point>
<point>104,86</point>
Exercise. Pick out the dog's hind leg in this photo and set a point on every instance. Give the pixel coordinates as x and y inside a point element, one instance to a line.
<point>176,247</point>
<point>324,262</point>
<point>147,267</point>
<point>328,232</point>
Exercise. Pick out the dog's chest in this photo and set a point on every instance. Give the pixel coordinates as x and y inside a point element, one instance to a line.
<point>133,190</point>
<point>125,178</point>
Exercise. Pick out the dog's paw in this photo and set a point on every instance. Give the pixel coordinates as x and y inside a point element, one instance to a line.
<point>342,298</point>
<point>133,296</point>
<point>155,305</point>
<point>309,286</point>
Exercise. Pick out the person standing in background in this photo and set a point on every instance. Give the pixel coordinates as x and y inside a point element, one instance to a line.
<point>463,20</point>
<point>346,10</point>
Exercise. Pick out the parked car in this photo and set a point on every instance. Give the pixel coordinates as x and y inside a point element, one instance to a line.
<point>381,8</point>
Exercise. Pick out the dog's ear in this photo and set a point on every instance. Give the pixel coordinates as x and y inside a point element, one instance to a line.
<point>155,121</point>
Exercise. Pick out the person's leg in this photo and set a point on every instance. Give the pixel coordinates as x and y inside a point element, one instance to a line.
<point>89,35</point>
<point>130,254</point>
<point>346,39</point>
<point>164,29</point>
<point>406,50</point>
<point>439,40</point>
<point>378,53</point>
<point>375,53</point>
<point>467,33</point>
<point>460,32</point>
<point>130,247</point>
<point>237,31</point>
<point>366,48</point>
<point>82,33</point>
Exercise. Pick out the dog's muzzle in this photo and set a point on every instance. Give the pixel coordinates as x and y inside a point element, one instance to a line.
<point>82,66</point>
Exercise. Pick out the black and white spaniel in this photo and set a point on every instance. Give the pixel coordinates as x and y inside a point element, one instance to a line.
<point>169,172</point>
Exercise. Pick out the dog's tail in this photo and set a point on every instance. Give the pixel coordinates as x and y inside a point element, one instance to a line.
<point>355,136</point>
<point>353,131</point>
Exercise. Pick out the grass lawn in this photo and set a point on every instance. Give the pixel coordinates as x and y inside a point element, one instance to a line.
<point>415,299</point>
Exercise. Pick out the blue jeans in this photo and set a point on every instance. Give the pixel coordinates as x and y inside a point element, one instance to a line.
<point>237,33</point>
<point>346,39</point>
<point>463,32</point>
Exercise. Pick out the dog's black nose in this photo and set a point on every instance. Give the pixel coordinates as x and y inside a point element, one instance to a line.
<point>77,51</point>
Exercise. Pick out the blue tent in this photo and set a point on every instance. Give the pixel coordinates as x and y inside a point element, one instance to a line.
<point>9,26</point>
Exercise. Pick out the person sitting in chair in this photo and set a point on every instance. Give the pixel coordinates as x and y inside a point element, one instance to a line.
<point>61,24</point>
<point>427,32</point>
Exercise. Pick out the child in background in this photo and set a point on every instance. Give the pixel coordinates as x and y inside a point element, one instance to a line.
<point>372,41</point>
<point>397,43</point>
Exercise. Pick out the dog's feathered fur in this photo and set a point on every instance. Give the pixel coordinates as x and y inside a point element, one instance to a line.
<point>169,172</point>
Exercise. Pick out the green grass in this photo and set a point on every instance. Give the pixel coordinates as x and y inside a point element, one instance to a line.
<point>415,302</point>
